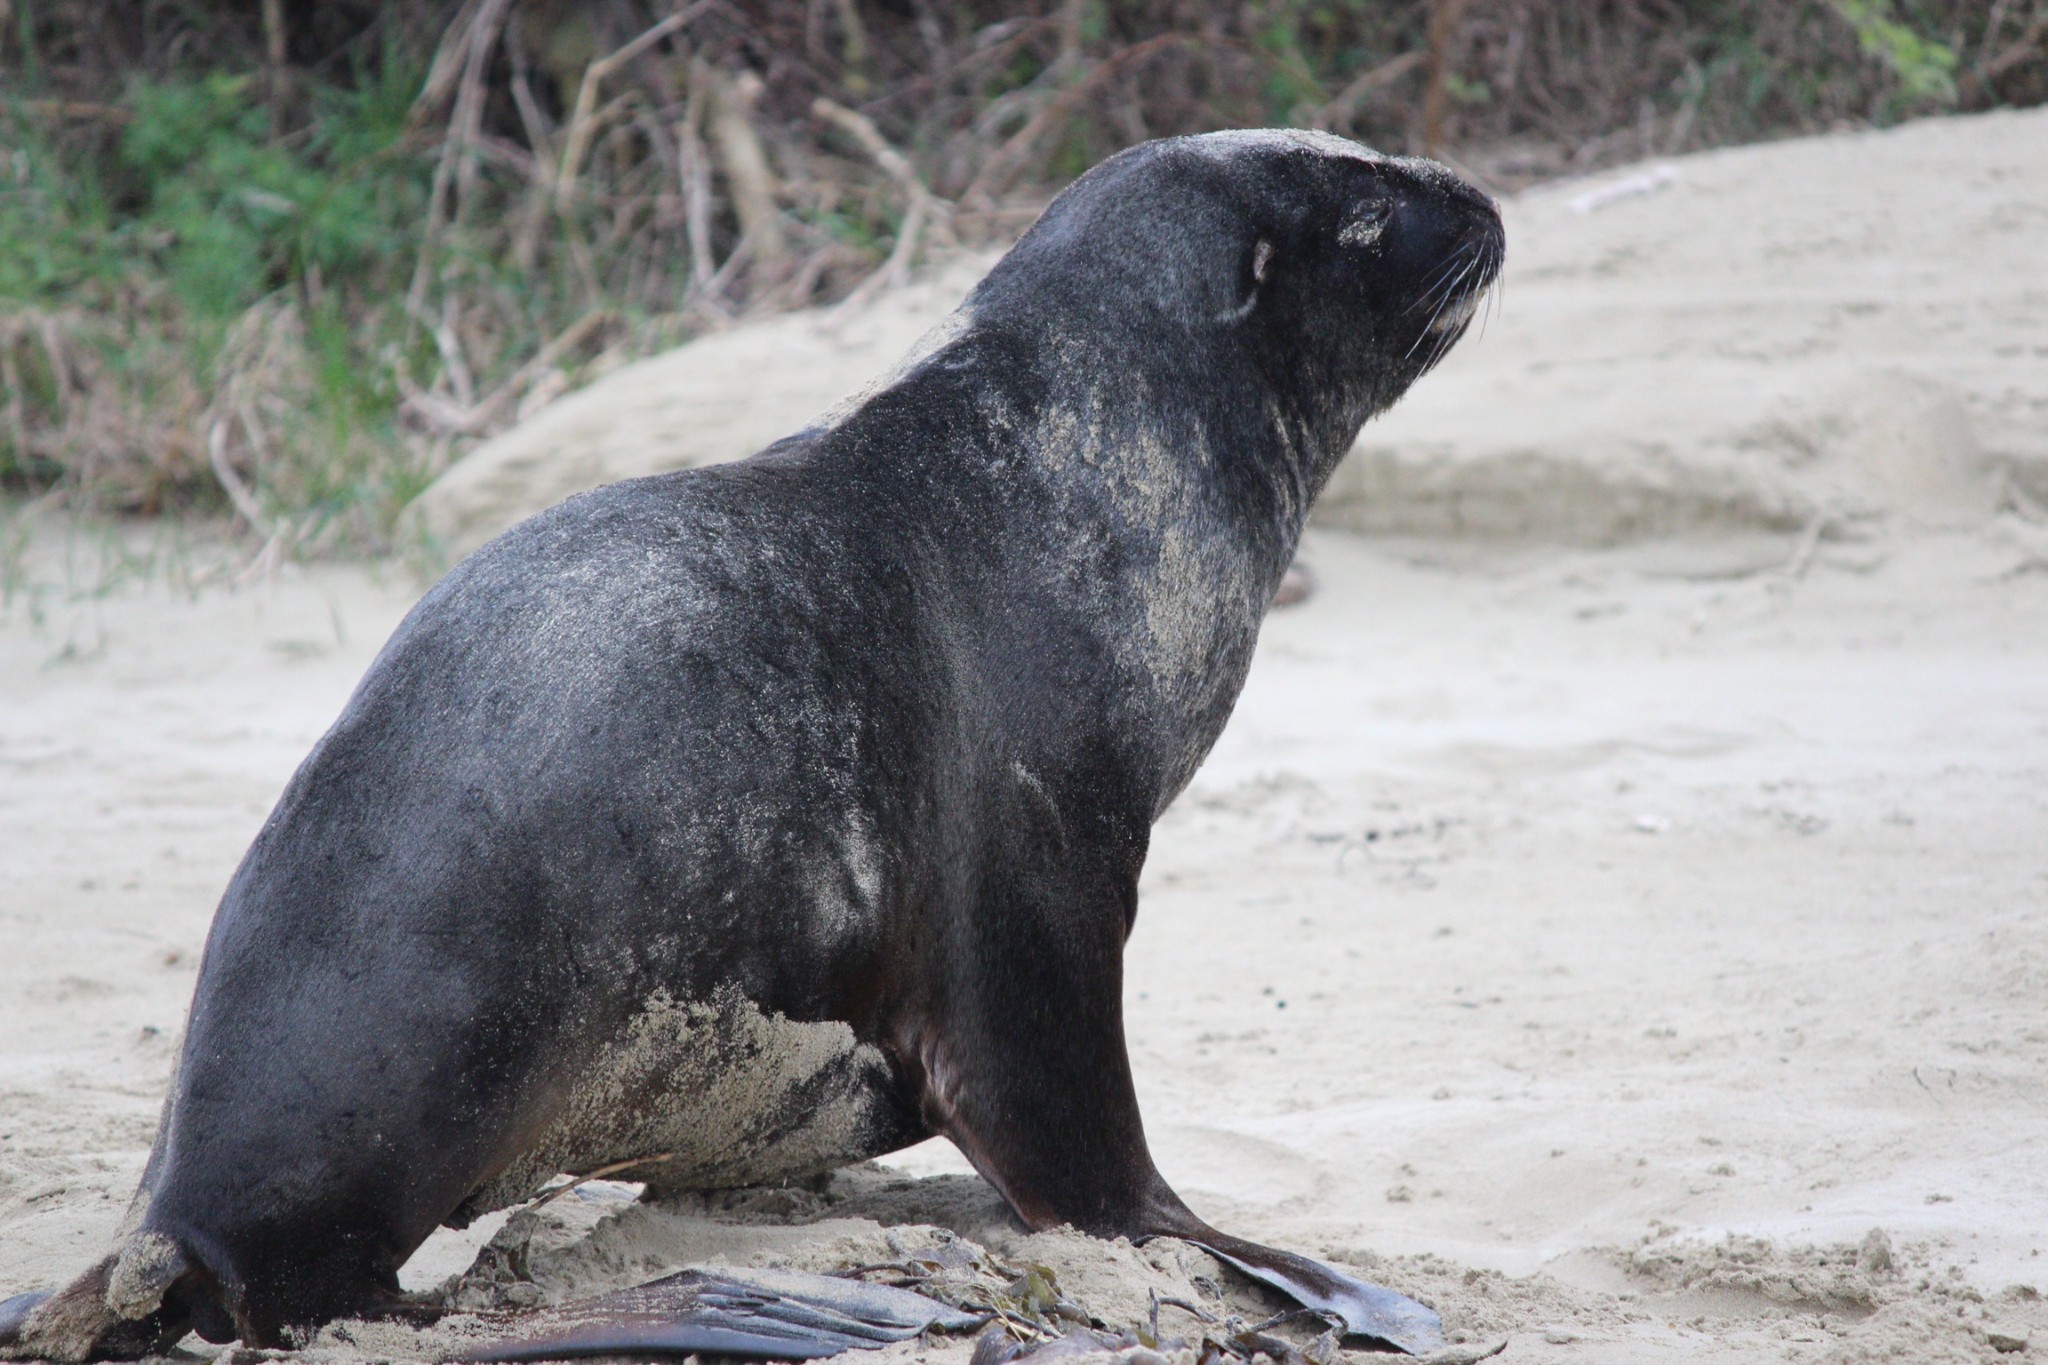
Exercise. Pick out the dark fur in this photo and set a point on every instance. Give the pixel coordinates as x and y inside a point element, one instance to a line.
<point>869,728</point>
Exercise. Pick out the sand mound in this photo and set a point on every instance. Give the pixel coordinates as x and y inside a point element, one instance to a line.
<point>719,398</point>
<point>1813,332</point>
<point>1829,328</point>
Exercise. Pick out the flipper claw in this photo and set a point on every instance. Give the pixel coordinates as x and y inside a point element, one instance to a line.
<point>761,1314</point>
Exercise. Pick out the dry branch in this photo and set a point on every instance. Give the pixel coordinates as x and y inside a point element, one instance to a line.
<point>466,51</point>
<point>239,493</point>
<point>17,417</point>
<point>1443,34</point>
<point>79,109</point>
<point>474,419</point>
<point>696,177</point>
<point>1008,162</point>
<point>1338,111</point>
<point>733,102</point>
<point>1979,80</point>
<point>896,270</point>
<point>584,122</point>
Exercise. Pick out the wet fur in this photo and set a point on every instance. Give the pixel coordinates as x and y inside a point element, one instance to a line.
<point>862,737</point>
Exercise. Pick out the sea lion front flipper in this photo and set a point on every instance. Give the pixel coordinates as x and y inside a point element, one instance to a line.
<point>758,1314</point>
<point>1368,1310</point>
<point>1032,1082</point>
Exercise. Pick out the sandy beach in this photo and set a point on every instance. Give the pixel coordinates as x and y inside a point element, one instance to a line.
<point>1599,944</point>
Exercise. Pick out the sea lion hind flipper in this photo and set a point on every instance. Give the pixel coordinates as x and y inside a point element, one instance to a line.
<point>1369,1311</point>
<point>14,1313</point>
<point>757,1314</point>
<point>79,1322</point>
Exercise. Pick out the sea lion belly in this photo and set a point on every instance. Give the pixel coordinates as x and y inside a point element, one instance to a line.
<point>710,1095</point>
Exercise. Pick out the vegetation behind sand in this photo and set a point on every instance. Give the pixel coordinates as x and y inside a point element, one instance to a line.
<point>288,260</point>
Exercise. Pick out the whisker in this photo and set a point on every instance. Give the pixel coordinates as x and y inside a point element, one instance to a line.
<point>1454,295</point>
<point>1456,289</point>
<point>1441,277</point>
<point>1493,292</point>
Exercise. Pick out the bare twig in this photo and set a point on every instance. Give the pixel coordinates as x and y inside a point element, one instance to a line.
<point>450,57</point>
<point>583,130</point>
<point>1443,33</point>
<point>533,216</point>
<point>469,106</point>
<point>1071,14</point>
<point>274,51</point>
<point>17,416</point>
<point>853,46</point>
<point>231,483</point>
<point>1979,80</point>
<point>1008,162</point>
<point>599,1174</point>
<point>746,167</point>
<point>696,178</point>
<point>454,366</point>
<point>280,539</point>
<point>500,151</point>
<point>82,109</point>
<point>450,346</point>
<point>583,120</point>
<point>862,130</point>
<point>804,283</point>
<point>538,138</point>
<point>1338,111</point>
<point>471,419</point>
<point>61,378</point>
<point>896,270</point>
<point>478,25</point>
<point>741,253</point>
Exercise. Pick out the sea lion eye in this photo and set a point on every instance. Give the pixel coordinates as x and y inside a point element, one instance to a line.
<point>1365,226</point>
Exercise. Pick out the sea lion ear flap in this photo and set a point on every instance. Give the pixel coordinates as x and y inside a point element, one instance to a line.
<point>1253,275</point>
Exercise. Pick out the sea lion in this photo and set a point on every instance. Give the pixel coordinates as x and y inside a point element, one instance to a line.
<point>757,819</point>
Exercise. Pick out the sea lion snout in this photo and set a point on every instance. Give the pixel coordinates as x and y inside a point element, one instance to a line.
<point>1437,216</point>
<point>1440,250</point>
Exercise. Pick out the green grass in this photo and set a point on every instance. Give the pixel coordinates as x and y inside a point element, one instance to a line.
<point>195,270</point>
<point>140,264</point>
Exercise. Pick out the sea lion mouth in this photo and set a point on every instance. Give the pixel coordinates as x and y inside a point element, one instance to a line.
<point>1452,294</point>
<point>1457,314</point>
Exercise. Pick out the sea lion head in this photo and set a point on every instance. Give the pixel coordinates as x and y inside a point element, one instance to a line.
<point>1345,273</point>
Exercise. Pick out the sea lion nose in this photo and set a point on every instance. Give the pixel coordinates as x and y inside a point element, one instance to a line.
<point>1451,191</point>
<point>1480,211</point>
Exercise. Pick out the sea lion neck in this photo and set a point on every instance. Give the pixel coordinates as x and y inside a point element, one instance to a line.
<point>1147,504</point>
<point>1141,432</point>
